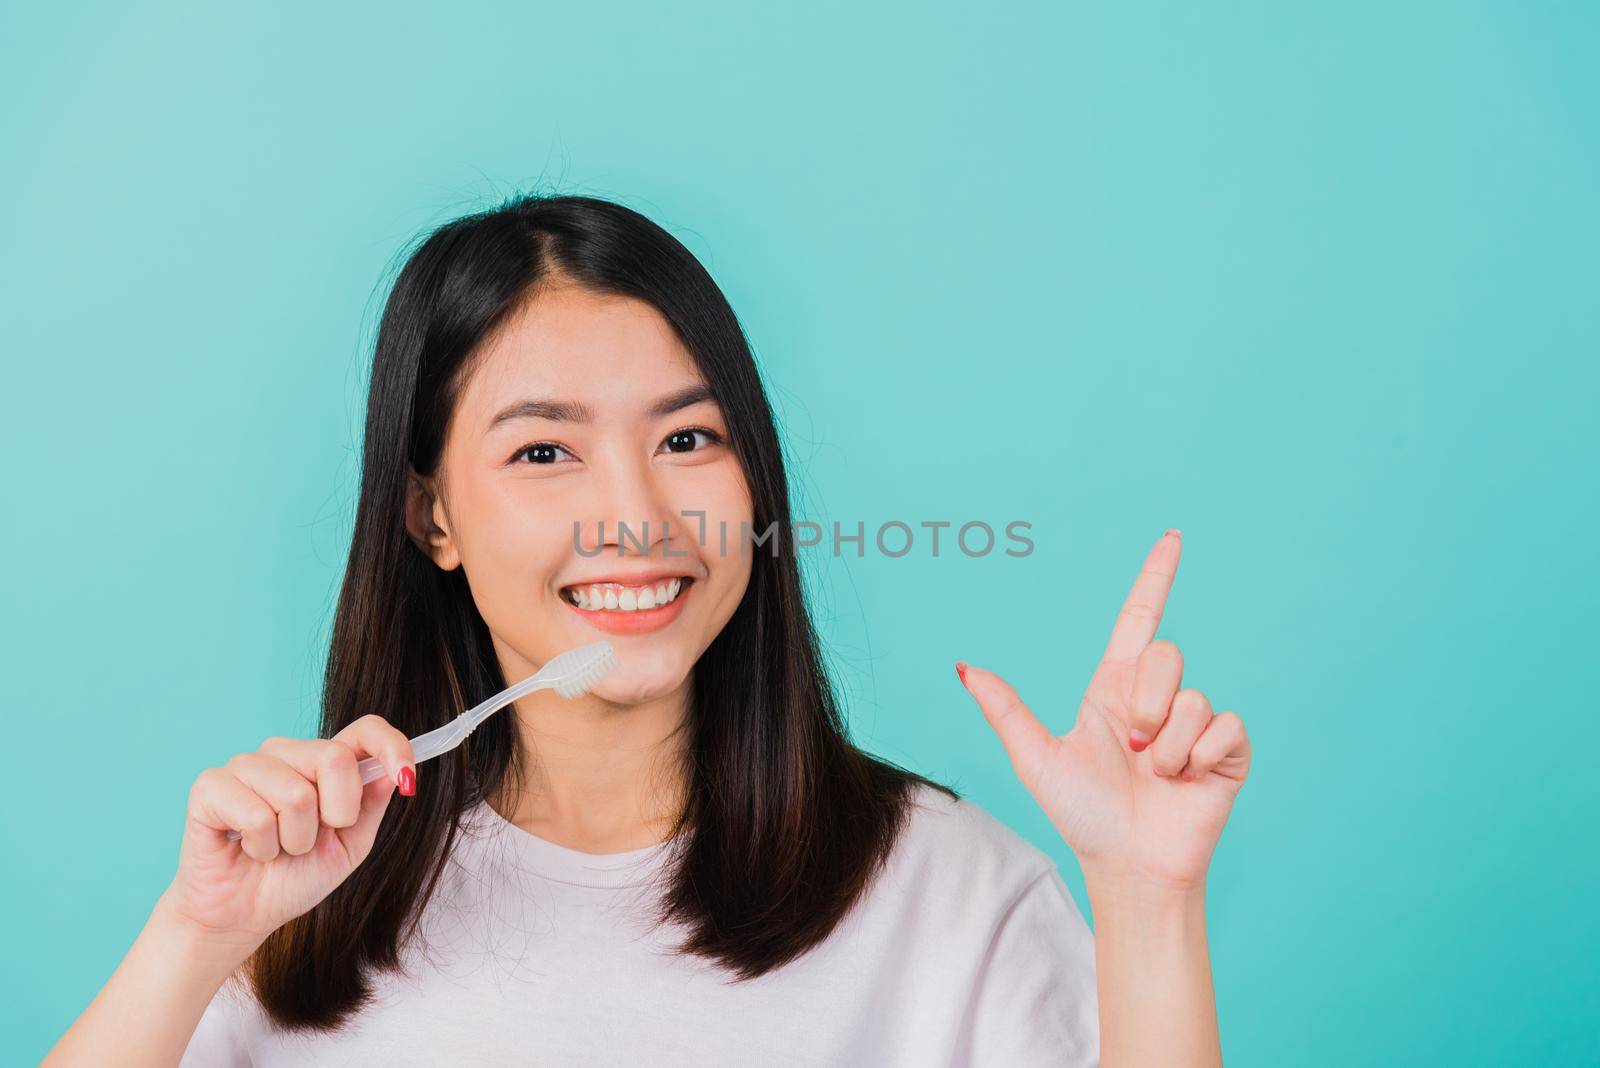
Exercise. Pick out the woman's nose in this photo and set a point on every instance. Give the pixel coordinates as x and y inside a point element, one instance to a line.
<point>635,506</point>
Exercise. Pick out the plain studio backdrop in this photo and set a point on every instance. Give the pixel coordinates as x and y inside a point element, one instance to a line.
<point>1315,286</point>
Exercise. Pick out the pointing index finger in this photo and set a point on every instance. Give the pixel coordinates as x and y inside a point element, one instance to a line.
<point>1141,612</point>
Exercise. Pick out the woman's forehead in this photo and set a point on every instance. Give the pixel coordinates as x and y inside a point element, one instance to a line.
<point>614,355</point>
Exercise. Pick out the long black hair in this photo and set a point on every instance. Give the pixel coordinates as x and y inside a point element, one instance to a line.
<point>785,820</point>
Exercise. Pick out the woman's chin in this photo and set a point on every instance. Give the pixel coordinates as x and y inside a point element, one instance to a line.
<point>629,690</point>
<point>648,667</point>
<point>642,675</point>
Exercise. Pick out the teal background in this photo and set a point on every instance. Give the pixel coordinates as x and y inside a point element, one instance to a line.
<point>1317,286</point>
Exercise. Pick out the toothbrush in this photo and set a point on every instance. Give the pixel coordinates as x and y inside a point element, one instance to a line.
<point>570,674</point>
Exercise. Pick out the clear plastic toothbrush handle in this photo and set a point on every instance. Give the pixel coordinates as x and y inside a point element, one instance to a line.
<point>423,747</point>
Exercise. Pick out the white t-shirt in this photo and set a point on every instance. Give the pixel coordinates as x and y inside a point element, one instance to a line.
<point>967,949</point>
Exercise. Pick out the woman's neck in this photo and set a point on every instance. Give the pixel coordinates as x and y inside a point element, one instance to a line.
<point>598,777</point>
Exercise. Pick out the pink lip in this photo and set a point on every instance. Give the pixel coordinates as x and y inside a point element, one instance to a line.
<point>648,578</point>
<point>639,622</point>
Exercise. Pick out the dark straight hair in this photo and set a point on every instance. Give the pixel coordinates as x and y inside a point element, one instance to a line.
<point>785,822</point>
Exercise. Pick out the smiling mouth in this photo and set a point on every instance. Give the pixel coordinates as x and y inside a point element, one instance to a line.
<point>622,599</point>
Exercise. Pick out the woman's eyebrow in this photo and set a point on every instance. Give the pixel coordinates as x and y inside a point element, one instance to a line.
<point>673,402</point>
<point>575,412</point>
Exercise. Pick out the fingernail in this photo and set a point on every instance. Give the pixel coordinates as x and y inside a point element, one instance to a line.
<point>1175,532</point>
<point>1137,740</point>
<point>407,780</point>
<point>961,669</point>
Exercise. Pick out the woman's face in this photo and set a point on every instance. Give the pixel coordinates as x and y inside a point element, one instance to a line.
<point>587,409</point>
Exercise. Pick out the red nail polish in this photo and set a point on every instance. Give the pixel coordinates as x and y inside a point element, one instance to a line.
<point>961,669</point>
<point>1137,741</point>
<point>408,780</point>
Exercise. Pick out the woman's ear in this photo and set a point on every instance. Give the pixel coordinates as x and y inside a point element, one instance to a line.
<point>427,522</point>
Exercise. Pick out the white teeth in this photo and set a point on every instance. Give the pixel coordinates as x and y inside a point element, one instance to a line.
<point>625,599</point>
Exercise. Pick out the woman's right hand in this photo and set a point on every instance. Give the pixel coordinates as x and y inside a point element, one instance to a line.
<point>306,821</point>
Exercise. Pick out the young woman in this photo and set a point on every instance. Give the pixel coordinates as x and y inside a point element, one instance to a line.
<point>691,863</point>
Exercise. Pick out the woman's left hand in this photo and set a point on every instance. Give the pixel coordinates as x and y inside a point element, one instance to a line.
<point>1141,786</point>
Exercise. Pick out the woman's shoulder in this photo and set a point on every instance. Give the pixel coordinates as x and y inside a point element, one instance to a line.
<point>980,893</point>
<point>955,843</point>
<point>961,825</point>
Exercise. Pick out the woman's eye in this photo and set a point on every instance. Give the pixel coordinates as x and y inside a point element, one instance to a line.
<point>542,452</point>
<point>548,452</point>
<point>683,440</point>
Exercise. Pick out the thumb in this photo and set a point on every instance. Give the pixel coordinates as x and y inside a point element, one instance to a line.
<point>1027,741</point>
<point>358,838</point>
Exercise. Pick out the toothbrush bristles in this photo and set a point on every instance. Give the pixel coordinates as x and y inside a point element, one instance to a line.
<point>584,680</point>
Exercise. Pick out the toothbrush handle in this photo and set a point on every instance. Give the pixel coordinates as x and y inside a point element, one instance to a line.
<point>371,770</point>
<point>424,746</point>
